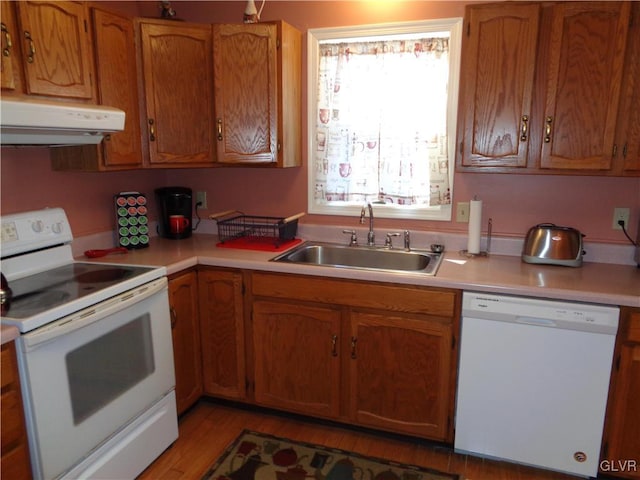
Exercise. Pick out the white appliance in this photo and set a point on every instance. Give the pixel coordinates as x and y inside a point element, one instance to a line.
<point>28,121</point>
<point>533,380</point>
<point>95,354</point>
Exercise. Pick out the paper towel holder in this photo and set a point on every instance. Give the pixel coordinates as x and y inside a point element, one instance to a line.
<point>485,253</point>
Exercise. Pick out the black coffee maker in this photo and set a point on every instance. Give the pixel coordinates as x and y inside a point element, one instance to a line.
<point>174,212</point>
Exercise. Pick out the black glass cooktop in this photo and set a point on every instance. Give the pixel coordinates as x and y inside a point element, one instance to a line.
<point>46,290</point>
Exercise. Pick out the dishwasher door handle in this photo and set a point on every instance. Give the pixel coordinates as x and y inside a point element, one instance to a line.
<point>540,322</point>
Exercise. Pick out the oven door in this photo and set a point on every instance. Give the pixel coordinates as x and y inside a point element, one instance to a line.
<point>88,375</point>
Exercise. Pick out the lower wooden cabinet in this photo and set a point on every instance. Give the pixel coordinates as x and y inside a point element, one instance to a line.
<point>296,359</point>
<point>14,462</point>
<point>371,354</point>
<point>222,332</point>
<point>400,373</point>
<point>621,446</point>
<point>185,331</point>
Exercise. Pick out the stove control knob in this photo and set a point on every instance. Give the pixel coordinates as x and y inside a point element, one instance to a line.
<point>37,226</point>
<point>57,227</point>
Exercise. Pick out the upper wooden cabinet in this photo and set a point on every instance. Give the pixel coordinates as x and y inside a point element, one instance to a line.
<point>177,85</point>
<point>56,48</point>
<point>541,87</point>
<point>257,82</point>
<point>586,57</point>
<point>117,83</point>
<point>496,97</point>
<point>627,155</point>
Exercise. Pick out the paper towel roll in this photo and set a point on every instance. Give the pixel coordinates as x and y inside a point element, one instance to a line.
<point>475,227</point>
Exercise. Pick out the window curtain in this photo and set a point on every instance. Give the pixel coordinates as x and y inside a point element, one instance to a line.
<point>381,122</point>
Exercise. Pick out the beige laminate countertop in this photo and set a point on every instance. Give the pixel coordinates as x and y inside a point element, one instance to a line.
<point>593,282</point>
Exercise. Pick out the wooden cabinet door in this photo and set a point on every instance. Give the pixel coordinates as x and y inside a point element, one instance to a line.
<point>10,61</point>
<point>401,374</point>
<point>297,357</point>
<point>586,57</point>
<point>185,330</point>
<point>57,54</point>
<point>498,74</point>
<point>245,75</point>
<point>117,81</point>
<point>222,333</point>
<point>176,64</point>
<point>118,87</point>
<point>621,441</point>
<point>628,136</point>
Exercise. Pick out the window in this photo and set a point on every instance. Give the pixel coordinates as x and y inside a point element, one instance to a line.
<point>382,118</point>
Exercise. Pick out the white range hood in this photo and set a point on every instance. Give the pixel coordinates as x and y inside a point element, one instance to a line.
<point>27,121</point>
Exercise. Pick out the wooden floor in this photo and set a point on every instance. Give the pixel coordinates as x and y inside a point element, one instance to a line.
<point>208,428</point>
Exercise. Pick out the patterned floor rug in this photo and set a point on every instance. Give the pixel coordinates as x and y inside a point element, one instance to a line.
<point>259,456</point>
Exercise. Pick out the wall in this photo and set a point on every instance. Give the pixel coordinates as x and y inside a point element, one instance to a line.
<point>514,202</point>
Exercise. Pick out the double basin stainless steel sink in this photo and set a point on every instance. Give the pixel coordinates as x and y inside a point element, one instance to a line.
<point>362,257</point>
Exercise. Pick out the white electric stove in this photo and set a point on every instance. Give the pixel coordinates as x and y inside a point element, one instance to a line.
<point>95,353</point>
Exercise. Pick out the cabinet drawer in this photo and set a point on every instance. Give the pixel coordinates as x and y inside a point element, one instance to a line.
<point>424,300</point>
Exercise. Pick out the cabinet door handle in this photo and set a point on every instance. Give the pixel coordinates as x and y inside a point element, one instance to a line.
<point>524,128</point>
<point>220,129</point>
<point>547,129</point>
<point>354,340</point>
<point>174,317</point>
<point>152,130</point>
<point>334,345</point>
<point>6,51</point>
<point>32,47</point>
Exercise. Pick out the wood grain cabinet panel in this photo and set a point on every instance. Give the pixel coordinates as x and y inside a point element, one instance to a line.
<point>375,355</point>
<point>621,439</point>
<point>14,462</point>
<point>257,85</point>
<point>627,150</point>
<point>401,373</point>
<point>10,61</point>
<point>56,48</point>
<point>296,361</point>
<point>222,332</point>
<point>541,88</point>
<point>176,61</point>
<point>117,83</point>
<point>586,58</point>
<point>496,105</point>
<point>185,332</point>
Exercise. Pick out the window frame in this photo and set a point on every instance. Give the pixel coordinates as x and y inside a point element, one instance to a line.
<point>397,30</point>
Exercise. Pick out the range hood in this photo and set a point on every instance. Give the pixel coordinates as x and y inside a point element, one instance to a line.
<point>27,121</point>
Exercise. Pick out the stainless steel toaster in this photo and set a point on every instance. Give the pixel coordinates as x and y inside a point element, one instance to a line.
<point>551,244</point>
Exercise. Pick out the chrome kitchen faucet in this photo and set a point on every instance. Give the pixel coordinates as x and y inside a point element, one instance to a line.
<point>371,237</point>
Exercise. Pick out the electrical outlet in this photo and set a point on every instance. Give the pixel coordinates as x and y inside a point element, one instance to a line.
<point>462,212</point>
<point>620,213</point>
<point>201,198</point>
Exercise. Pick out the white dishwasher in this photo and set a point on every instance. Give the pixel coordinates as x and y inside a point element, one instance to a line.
<point>533,380</point>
